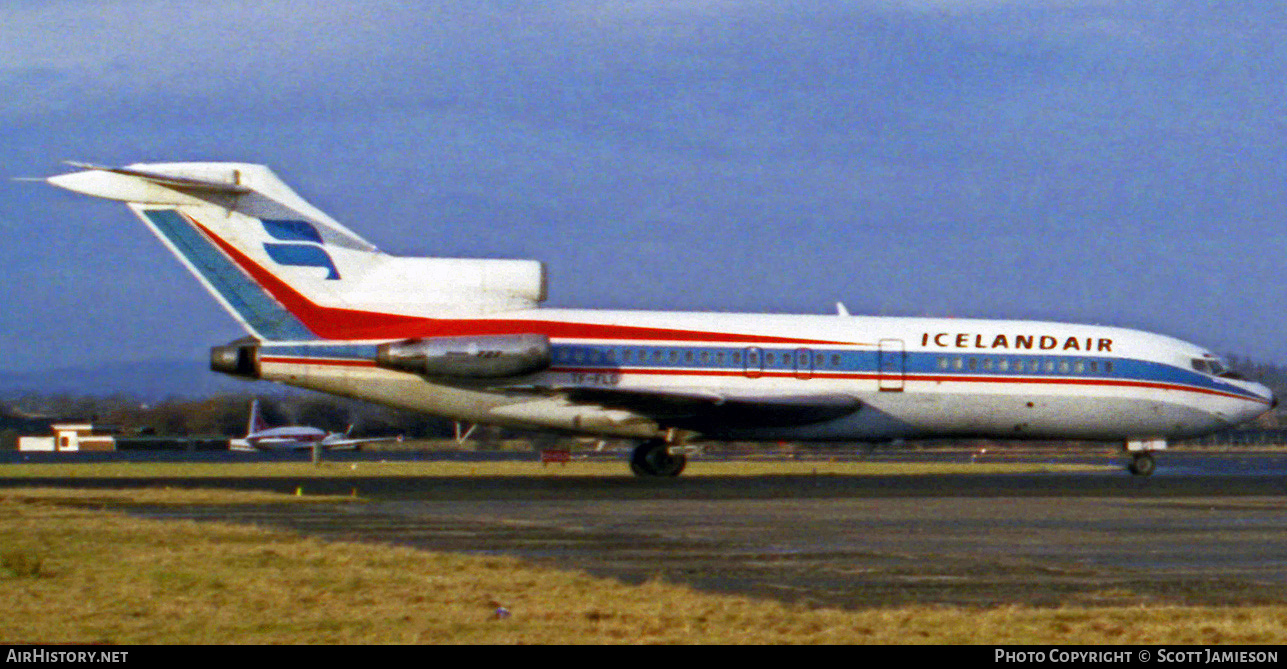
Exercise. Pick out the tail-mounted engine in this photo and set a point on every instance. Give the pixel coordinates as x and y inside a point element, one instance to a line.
<point>240,358</point>
<point>471,357</point>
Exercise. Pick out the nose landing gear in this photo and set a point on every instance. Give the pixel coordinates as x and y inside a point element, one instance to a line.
<point>1142,464</point>
<point>1141,450</point>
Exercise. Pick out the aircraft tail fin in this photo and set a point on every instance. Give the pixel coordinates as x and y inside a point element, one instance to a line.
<point>287,271</point>
<point>256,422</point>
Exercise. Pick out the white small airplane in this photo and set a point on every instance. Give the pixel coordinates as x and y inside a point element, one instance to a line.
<point>466,339</point>
<point>260,437</point>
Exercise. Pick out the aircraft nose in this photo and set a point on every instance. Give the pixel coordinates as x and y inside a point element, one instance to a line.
<point>1265,391</point>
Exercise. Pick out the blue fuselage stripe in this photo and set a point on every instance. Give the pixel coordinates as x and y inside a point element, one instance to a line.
<point>818,363</point>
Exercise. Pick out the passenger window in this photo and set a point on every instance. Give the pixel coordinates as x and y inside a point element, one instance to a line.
<point>943,363</point>
<point>835,360</point>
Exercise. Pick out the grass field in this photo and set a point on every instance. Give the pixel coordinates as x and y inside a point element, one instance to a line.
<point>74,571</point>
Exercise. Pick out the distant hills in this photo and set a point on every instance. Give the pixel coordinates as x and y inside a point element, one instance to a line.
<point>148,381</point>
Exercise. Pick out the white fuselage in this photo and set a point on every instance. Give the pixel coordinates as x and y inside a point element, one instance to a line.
<point>286,438</point>
<point>912,377</point>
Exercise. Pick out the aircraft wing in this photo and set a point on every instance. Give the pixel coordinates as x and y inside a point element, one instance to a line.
<point>353,444</point>
<point>697,409</point>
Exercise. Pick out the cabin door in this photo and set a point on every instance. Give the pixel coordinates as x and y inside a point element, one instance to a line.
<point>890,365</point>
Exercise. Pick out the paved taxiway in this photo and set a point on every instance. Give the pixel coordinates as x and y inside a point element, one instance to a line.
<point>1193,534</point>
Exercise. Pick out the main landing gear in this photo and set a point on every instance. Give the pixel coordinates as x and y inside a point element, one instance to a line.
<point>1141,450</point>
<point>1142,464</point>
<point>654,459</point>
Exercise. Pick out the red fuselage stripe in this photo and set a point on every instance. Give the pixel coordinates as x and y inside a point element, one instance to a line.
<point>341,324</point>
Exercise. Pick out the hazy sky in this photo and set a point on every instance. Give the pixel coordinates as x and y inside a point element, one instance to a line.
<point>1105,161</point>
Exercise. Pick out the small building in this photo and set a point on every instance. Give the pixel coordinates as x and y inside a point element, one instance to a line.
<point>69,437</point>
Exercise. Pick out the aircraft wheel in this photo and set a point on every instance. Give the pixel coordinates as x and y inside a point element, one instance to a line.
<point>1142,465</point>
<point>650,459</point>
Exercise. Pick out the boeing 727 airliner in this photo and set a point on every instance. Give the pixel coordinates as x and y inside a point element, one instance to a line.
<point>466,339</point>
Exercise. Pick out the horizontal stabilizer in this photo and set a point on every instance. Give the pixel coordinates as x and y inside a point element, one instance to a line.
<point>226,187</point>
<point>130,184</point>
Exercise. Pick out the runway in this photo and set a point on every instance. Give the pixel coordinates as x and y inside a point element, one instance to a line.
<point>1204,530</point>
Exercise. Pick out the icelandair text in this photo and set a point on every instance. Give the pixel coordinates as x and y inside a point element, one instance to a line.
<point>1017,342</point>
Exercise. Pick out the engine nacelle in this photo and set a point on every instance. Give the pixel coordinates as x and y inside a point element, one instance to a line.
<point>237,359</point>
<point>471,357</point>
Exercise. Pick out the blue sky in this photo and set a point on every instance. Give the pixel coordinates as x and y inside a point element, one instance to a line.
<point>1113,162</point>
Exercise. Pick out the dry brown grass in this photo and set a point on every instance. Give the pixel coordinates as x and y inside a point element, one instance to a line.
<point>80,574</point>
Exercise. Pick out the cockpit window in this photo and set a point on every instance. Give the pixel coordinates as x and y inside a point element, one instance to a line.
<point>1214,366</point>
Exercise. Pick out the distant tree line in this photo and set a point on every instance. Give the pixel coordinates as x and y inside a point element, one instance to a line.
<point>220,415</point>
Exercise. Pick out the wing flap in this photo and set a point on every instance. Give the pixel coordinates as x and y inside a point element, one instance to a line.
<point>700,409</point>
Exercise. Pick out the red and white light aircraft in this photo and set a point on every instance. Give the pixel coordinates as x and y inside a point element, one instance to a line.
<point>261,437</point>
<point>466,339</point>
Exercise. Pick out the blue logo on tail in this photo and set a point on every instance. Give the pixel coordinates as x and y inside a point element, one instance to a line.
<point>298,254</point>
